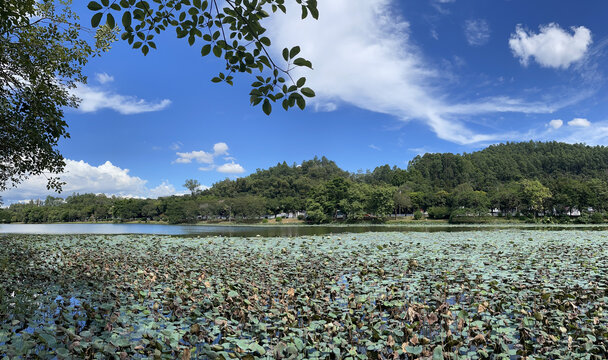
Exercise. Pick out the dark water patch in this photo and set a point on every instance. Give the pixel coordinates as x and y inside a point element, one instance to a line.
<point>267,230</point>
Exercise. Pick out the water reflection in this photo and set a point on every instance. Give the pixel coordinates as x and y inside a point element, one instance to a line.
<point>264,230</point>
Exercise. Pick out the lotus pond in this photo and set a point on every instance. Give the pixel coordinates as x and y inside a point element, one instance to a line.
<point>481,294</point>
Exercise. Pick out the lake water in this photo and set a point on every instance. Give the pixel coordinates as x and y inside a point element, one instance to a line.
<point>262,230</point>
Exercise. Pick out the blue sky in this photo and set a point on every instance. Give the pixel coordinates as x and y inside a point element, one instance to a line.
<point>394,79</point>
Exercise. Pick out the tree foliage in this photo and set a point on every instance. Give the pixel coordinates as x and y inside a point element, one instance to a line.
<point>192,185</point>
<point>41,58</point>
<point>231,30</point>
<point>42,53</point>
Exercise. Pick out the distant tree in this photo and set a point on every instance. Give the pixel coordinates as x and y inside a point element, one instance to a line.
<point>418,200</point>
<point>234,32</point>
<point>192,185</point>
<point>381,201</point>
<point>599,194</point>
<point>464,196</point>
<point>534,195</point>
<point>247,207</point>
<point>506,197</point>
<point>401,201</point>
<point>354,205</point>
<point>315,213</point>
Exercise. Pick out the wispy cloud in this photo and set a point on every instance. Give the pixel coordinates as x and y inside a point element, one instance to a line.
<point>176,145</point>
<point>104,78</point>
<point>374,147</point>
<point>439,5</point>
<point>95,98</point>
<point>477,32</point>
<point>389,75</point>
<point>419,151</point>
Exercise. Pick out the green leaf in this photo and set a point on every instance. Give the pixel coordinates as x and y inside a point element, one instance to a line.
<point>96,19</point>
<point>48,339</point>
<point>206,50</point>
<point>314,12</point>
<point>217,51</point>
<point>285,54</point>
<point>94,6</point>
<point>265,41</point>
<point>126,19</point>
<point>294,51</point>
<point>267,107</point>
<point>110,21</point>
<point>145,49</point>
<point>302,62</point>
<point>438,353</point>
<point>62,353</point>
<point>301,82</point>
<point>301,102</point>
<point>299,343</point>
<point>257,348</point>
<point>414,350</point>
<point>308,92</point>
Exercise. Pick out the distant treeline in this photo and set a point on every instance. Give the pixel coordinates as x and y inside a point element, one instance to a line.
<point>533,179</point>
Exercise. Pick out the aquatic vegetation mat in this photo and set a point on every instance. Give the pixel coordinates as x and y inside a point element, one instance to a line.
<point>481,294</point>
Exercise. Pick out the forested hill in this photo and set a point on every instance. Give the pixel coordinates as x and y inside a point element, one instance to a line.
<point>483,170</point>
<point>511,162</point>
<point>282,180</point>
<point>516,178</point>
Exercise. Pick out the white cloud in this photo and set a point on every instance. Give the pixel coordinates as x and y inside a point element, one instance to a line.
<point>104,78</point>
<point>166,189</point>
<point>95,99</point>
<point>220,149</point>
<point>594,134</point>
<point>176,146</point>
<point>477,32</point>
<point>556,124</point>
<point>202,157</point>
<point>208,158</point>
<point>231,168</point>
<point>388,75</point>
<point>552,47</point>
<point>322,106</point>
<point>578,122</point>
<point>374,147</point>
<point>81,177</point>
